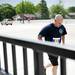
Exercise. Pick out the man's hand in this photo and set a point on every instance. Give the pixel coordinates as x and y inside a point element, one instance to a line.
<point>39,37</point>
<point>63,39</point>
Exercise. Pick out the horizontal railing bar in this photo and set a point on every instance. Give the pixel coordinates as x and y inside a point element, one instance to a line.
<point>51,48</point>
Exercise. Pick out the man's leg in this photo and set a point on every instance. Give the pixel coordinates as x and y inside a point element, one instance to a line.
<point>54,62</point>
<point>49,65</point>
<point>54,70</point>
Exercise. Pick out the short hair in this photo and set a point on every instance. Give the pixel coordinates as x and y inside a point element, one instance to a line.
<point>58,16</point>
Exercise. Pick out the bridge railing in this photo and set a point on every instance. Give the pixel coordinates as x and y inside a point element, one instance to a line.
<point>38,48</point>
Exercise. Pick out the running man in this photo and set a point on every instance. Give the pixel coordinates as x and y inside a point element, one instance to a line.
<point>54,30</point>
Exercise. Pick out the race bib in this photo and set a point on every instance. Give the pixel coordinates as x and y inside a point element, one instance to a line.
<point>56,40</point>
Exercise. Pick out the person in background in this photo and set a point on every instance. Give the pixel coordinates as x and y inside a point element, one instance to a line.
<point>51,32</point>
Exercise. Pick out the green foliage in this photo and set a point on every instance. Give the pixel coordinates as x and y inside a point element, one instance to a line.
<point>6,11</point>
<point>38,11</point>
<point>57,9</point>
<point>25,7</point>
<point>44,10</point>
<point>71,9</point>
<point>38,8</point>
<point>41,10</point>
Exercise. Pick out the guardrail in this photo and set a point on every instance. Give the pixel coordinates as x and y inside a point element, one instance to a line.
<point>38,48</point>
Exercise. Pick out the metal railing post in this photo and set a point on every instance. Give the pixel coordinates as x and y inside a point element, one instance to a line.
<point>14,60</point>
<point>25,61</point>
<point>5,57</point>
<point>0,63</point>
<point>38,64</point>
<point>63,66</point>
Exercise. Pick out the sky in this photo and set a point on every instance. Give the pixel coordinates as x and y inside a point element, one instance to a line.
<point>66,3</point>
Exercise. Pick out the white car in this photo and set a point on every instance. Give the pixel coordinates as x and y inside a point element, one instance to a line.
<point>6,22</point>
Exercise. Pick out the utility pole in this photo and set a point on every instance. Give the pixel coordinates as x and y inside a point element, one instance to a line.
<point>23,10</point>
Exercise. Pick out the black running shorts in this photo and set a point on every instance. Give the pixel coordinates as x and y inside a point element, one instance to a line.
<point>54,60</point>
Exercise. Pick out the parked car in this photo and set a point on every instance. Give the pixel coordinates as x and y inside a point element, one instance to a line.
<point>6,22</point>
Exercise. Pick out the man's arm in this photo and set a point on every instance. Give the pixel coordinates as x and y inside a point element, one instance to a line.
<point>63,39</point>
<point>63,35</point>
<point>43,32</point>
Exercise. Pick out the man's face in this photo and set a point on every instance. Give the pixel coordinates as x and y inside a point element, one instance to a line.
<point>59,21</point>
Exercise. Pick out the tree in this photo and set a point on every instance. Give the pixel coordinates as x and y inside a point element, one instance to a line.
<point>71,9</point>
<point>1,18</point>
<point>44,10</point>
<point>7,11</point>
<point>57,9</point>
<point>38,10</point>
<point>25,7</point>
